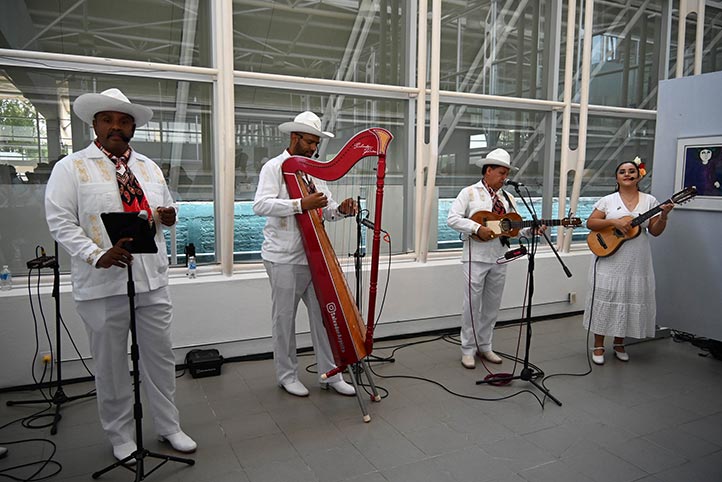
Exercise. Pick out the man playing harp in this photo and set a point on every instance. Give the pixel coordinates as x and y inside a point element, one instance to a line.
<point>285,259</point>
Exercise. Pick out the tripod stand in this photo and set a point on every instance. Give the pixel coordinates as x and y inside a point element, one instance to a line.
<point>141,453</point>
<point>527,373</point>
<point>59,397</point>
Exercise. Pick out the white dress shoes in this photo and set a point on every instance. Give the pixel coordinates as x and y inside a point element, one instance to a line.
<point>295,388</point>
<point>125,450</point>
<point>340,387</point>
<point>468,361</point>
<point>492,357</point>
<point>180,442</point>
<point>598,359</point>
<point>621,355</point>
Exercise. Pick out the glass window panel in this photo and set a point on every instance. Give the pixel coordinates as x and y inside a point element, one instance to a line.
<point>259,111</point>
<point>363,41</point>
<point>488,48</point>
<point>611,141</point>
<point>712,56</point>
<point>478,131</point>
<point>37,128</point>
<point>143,30</point>
<point>712,41</point>
<point>625,53</point>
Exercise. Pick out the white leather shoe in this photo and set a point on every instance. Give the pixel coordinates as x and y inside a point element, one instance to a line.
<point>598,359</point>
<point>295,388</point>
<point>341,387</point>
<point>468,361</point>
<point>122,451</point>
<point>621,355</point>
<point>180,442</point>
<point>492,357</point>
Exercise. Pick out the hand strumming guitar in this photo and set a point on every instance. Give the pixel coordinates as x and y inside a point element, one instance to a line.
<point>484,233</point>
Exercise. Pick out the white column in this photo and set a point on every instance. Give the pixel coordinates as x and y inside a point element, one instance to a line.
<point>223,132</point>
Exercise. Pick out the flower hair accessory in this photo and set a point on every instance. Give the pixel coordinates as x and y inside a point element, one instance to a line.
<point>640,166</point>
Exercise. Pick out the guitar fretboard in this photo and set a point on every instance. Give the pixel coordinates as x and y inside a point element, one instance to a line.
<point>644,216</point>
<point>528,224</point>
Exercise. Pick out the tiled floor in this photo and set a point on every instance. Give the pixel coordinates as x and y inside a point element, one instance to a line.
<point>656,418</point>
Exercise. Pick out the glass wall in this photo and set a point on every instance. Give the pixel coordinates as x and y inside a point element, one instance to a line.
<point>160,53</point>
<point>259,111</point>
<point>39,128</point>
<point>144,30</point>
<point>364,41</point>
<point>490,47</point>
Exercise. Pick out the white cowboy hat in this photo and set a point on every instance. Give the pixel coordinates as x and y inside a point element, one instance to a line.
<point>87,105</point>
<point>497,157</point>
<point>307,123</point>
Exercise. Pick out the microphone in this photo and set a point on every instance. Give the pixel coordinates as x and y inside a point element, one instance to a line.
<point>368,223</point>
<point>509,182</point>
<point>515,253</point>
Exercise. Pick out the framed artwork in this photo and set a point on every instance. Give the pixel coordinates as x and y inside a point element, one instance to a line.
<point>699,164</point>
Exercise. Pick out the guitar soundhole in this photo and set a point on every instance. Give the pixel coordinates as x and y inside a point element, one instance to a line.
<point>504,225</point>
<point>618,233</point>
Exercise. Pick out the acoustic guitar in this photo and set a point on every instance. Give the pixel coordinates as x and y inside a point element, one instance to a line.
<point>607,241</point>
<point>509,224</point>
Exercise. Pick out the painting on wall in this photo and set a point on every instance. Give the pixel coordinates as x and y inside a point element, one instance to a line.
<point>699,164</point>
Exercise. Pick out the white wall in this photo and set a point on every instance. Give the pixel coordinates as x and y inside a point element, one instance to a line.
<point>687,260</point>
<point>233,313</point>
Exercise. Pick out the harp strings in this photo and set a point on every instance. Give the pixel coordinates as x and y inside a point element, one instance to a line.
<point>359,184</point>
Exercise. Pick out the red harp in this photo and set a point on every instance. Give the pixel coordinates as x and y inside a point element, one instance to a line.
<point>351,339</point>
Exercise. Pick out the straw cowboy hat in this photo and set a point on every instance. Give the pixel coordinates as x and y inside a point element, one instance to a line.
<point>497,157</point>
<point>87,105</point>
<point>306,123</point>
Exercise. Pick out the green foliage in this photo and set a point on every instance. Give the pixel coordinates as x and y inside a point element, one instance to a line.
<point>17,112</point>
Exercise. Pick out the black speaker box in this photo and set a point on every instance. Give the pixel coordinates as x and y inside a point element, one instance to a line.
<point>204,363</point>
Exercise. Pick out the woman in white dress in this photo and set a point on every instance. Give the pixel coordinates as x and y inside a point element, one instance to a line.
<point>621,298</point>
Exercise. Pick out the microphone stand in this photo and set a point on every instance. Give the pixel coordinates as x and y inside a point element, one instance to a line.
<point>528,374</point>
<point>141,453</point>
<point>361,253</point>
<point>59,397</point>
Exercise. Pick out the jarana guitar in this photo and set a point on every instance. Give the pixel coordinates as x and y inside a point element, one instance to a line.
<point>607,241</point>
<point>509,224</point>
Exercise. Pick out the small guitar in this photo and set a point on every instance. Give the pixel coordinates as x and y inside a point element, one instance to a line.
<point>607,241</point>
<point>509,224</point>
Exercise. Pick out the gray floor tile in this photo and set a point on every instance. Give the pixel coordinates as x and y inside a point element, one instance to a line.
<point>646,455</point>
<point>654,419</point>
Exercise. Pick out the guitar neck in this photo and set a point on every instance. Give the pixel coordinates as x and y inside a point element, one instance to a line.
<point>546,222</point>
<point>652,212</point>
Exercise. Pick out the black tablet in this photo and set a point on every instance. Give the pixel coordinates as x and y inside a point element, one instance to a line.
<point>131,225</point>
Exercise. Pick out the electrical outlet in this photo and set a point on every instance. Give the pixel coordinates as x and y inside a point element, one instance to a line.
<point>45,358</point>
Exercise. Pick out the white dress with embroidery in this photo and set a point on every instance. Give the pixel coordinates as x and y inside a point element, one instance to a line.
<point>621,299</point>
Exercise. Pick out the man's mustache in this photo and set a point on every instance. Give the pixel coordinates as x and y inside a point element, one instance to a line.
<point>119,133</point>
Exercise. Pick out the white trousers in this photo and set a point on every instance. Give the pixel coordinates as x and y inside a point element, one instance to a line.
<point>291,283</point>
<point>483,288</point>
<point>107,321</point>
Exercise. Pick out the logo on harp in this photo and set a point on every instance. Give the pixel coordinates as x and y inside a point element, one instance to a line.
<point>331,309</point>
<point>366,148</point>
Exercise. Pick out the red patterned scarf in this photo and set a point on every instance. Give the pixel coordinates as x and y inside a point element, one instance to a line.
<point>131,193</point>
<point>498,207</point>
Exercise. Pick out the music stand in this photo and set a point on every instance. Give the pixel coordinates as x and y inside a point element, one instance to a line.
<point>132,225</point>
<point>59,397</point>
<point>527,373</point>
